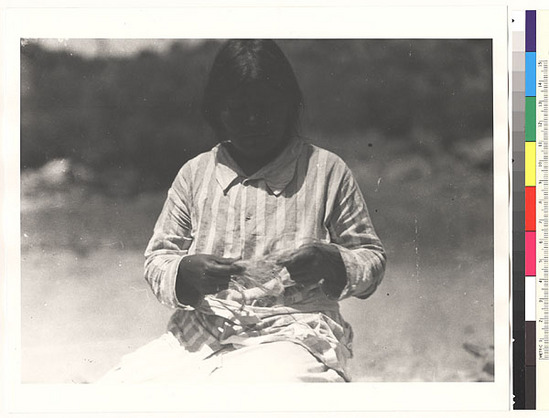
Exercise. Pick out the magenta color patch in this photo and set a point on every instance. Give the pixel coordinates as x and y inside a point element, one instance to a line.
<point>530,253</point>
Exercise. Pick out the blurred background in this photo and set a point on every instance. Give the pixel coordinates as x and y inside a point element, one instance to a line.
<point>106,124</point>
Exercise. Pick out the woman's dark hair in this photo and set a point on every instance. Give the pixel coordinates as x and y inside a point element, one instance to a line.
<point>240,62</point>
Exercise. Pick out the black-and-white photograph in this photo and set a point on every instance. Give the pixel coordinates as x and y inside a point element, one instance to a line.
<point>256,210</point>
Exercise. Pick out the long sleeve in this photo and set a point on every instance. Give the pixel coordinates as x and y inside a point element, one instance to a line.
<point>352,232</point>
<point>170,242</point>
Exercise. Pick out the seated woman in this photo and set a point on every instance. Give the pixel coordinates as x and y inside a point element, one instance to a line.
<point>257,241</point>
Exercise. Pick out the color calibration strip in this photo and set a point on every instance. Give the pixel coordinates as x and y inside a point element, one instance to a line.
<point>530,123</point>
<point>530,142</point>
<point>519,218</point>
<point>541,126</point>
<point>530,207</point>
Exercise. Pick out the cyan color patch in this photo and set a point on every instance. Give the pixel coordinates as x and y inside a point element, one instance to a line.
<point>530,83</point>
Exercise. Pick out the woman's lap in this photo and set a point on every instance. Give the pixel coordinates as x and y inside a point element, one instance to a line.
<point>279,361</point>
<point>164,360</point>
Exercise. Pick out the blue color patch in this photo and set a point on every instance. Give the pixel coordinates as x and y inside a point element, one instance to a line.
<point>530,74</point>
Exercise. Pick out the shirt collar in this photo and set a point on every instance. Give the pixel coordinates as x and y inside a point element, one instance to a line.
<point>276,174</point>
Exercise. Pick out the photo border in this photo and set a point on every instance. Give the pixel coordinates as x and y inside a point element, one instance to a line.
<point>254,22</point>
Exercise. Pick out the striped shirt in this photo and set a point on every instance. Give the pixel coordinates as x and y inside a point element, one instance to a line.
<point>306,194</point>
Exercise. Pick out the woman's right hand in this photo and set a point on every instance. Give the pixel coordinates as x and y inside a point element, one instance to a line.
<point>203,274</point>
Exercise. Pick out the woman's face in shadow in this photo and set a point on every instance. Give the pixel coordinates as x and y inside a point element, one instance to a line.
<point>255,120</point>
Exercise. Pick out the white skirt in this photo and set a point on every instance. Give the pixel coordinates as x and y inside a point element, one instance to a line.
<point>164,360</point>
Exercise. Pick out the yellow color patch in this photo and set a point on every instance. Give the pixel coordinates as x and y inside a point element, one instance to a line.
<point>530,163</point>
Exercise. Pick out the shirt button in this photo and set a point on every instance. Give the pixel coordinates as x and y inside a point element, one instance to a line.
<point>248,218</point>
<point>245,182</point>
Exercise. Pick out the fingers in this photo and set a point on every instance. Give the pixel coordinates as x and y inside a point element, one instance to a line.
<point>217,274</point>
<point>219,280</point>
<point>304,265</point>
<point>303,256</point>
<point>213,285</point>
<point>214,269</point>
<point>221,260</point>
<point>219,266</point>
<point>304,277</point>
<point>216,282</point>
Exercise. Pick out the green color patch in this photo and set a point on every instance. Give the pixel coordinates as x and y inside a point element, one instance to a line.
<point>530,119</point>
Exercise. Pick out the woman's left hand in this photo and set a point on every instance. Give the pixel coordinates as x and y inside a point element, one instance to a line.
<point>315,262</point>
